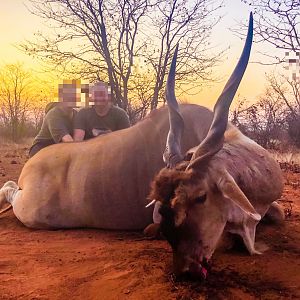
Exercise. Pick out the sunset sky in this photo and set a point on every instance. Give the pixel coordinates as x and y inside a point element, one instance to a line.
<point>18,24</point>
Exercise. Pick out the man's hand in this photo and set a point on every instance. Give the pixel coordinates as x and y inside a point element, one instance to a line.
<point>97,132</point>
<point>78,135</point>
<point>67,139</point>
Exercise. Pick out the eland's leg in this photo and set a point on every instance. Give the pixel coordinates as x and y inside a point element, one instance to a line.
<point>8,193</point>
<point>275,213</point>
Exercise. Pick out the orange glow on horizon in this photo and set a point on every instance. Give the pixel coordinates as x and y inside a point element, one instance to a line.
<point>20,24</point>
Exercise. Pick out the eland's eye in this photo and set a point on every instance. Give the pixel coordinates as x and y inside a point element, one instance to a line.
<point>200,199</point>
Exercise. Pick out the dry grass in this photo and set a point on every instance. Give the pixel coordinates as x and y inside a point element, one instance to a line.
<point>26,142</point>
<point>291,156</point>
<point>288,161</point>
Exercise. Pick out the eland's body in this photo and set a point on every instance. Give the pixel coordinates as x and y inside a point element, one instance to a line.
<point>101,183</point>
<point>228,184</point>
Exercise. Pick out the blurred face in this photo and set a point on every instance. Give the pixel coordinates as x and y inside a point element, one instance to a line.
<point>69,94</point>
<point>100,95</point>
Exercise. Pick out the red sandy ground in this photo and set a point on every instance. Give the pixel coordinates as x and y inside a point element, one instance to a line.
<point>97,264</point>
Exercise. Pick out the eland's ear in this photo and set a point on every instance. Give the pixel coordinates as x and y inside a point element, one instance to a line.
<point>231,190</point>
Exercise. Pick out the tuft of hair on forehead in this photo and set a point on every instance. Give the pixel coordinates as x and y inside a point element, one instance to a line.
<point>165,183</point>
<point>100,86</point>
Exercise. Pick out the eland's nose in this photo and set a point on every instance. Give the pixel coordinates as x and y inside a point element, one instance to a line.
<point>197,271</point>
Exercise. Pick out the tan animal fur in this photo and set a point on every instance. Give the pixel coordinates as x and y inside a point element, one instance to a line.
<point>100,183</point>
<point>229,184</point>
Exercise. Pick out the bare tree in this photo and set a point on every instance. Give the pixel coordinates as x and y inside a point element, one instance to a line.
<point>141,91</point>
<point>263,121</point>
<point>37,111</point>
<point>98,35</point>
<point>277,22</point>
<point>14,98</point>
<point>276,114</point>
<point>288,91</point>
<point>189,23</point>
<point>102,39</point>
<point>22,101</point>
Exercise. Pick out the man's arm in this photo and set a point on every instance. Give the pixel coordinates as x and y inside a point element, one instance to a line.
<point>58,128</point>
<point>79,125</point>
<point>78,135</point>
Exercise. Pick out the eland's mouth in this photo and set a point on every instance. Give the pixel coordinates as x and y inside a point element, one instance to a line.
<point>196,271</point>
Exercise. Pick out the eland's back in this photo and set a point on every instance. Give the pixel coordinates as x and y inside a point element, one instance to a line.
<point>103,182</point>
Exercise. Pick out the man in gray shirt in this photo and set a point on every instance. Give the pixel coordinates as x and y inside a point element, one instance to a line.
<point>103,117</point>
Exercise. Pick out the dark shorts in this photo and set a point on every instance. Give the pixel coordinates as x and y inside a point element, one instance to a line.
<point>38,146</point>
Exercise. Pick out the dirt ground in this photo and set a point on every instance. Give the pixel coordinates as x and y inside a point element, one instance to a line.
<point>97,264</point>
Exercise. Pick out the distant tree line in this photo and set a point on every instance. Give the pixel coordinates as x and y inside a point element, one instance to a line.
<point>273,121</point>
<point>129,44</point>
<point>22,103</point>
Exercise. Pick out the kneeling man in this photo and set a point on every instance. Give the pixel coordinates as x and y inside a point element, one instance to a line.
<point>57,126</point>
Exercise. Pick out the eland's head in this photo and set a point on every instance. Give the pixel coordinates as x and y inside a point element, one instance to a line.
<point>198,197</point>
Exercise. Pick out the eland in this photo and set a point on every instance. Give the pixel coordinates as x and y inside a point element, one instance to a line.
<point>225,181</point>
<point>227,184</point>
